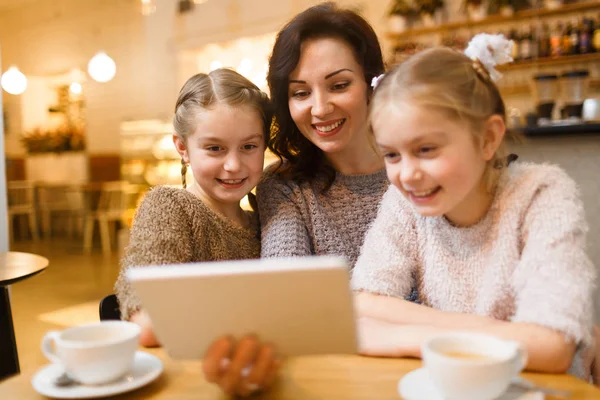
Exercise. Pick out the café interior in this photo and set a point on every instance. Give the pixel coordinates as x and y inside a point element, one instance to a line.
<point>88,89</point>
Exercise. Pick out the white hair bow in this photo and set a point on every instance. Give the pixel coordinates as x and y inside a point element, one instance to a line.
<point>490,51</point>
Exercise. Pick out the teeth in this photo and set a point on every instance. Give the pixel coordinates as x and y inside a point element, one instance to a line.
<point>424,193</point>
<point>232,181</point>
<point>329,128</point>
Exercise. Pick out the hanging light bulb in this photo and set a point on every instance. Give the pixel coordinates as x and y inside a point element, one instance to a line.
<point>102,68</point>
<point>13,81</point>
<point>148,7</point>
<point>75,88</point>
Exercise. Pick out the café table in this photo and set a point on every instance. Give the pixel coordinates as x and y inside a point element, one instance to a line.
<point>302,378</point>
<point>14,267</point>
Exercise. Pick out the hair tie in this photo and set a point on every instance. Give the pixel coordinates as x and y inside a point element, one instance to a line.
<point>481,70</point>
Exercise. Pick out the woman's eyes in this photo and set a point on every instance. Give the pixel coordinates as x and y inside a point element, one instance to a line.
<point>341,86</point>
<point>299,94</point>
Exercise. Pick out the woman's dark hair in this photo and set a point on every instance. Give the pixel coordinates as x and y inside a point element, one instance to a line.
<point>326,20</point>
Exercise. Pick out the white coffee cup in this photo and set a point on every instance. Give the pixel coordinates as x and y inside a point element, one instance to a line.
<point>94,353</point>
<point>469,366</point>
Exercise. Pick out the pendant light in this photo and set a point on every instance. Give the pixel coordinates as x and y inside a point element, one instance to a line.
<point>13,81</point>
<point>102,68</point>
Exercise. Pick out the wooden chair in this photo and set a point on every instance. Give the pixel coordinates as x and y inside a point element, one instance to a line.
<point>114,200</point>
<point>59,201</point>
<point>21,201</point>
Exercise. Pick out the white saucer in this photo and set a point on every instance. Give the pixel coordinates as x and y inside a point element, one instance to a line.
<point>416,385</point>
<point>146,368</point>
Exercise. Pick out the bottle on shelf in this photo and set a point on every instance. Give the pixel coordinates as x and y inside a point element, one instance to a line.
<point>525,45</point>
<point>536,31</point>
<point>575,34</point>
<point>544,41</point>
<point>585,42</point>
<point>512,35</point>
<point>556,41</point>
<point>567,47</point>
<point>596,36</point>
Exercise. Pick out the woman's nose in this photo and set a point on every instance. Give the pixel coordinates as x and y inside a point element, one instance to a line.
<point>322,105</point>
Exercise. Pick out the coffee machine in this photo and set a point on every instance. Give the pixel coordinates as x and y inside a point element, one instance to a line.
<point>545,90</point>
<point>573,88</point>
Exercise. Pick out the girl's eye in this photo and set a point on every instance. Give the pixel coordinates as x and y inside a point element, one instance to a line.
<point>427,150</point>
<point>249,146</point>
<point>341,86</point>
<point>213,148</point>
<point>391,156</point>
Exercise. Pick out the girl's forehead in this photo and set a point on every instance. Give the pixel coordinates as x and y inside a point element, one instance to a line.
<point>222,109</point>
<point>406,122</point>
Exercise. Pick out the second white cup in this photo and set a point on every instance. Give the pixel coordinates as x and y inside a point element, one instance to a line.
<point>470,366</point>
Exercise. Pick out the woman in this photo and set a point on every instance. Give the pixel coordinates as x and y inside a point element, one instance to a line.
<point>322,196</point>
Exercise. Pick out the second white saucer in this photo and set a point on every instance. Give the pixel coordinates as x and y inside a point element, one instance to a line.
<point>416,385</point>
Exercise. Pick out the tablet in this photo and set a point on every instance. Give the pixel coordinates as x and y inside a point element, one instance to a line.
<point>303,305</point>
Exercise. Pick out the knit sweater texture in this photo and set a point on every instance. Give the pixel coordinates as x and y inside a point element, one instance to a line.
<point>525,261</point>
<point>299,219</point>
<point>173,226</point>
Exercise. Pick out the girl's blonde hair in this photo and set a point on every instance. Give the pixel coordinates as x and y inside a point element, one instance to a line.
<point>203,92</point>
<point>449,82</point>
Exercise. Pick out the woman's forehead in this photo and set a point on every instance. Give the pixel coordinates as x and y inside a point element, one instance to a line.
<point>322,56</point>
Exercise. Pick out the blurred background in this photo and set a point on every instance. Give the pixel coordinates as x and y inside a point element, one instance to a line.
<point>89,86</point>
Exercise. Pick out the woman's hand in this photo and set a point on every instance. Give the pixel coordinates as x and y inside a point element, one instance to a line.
<point>241,368</point>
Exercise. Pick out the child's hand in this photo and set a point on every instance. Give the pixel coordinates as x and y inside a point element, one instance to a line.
<point>379,338</point>
<point>241,368</point>
<point>147,338</point>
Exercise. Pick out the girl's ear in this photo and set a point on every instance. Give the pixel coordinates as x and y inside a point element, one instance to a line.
<point>493,136</point>
<point>181,148</point>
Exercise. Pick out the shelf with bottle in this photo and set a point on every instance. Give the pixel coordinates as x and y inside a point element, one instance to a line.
<point>571,41</point>
<point>529,14</point>
<point>538,44</point>
<point>526,89</point>
<point>551,61</point>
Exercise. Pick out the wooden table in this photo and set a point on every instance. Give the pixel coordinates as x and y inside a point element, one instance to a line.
<point>14,267</point>
<point>303,378</point>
